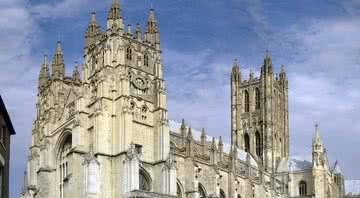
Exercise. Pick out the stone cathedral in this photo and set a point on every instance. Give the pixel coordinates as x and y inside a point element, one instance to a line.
<point>106,133</point>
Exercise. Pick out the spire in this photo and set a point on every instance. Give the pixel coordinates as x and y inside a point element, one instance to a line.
<point>138,32</point>
<point>129,31</point>
<point>76,75</point>
<point>213,144</point>
<point>268,66</point>
<point>235,68</point>
<point>58,65</point>
<point>203,136</point>
<point>282,73</point>
<point>251,75</point>
<point>190,135</point>
<point>44,75</point>
<point>152,34</point>
<point>115,11</point>
<point>317,135</point>
<point>115,19</point>
<point>93,31</point>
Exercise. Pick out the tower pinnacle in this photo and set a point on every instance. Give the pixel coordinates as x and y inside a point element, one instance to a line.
<point>76,75</point>
<point>44,75</point>
<point>152,34</point>
<point>93,31</point>
<point>58,65</point>
<point>115,19</point>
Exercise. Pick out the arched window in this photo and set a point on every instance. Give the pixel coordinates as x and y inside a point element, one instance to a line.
<point>247,101</point>
<point>258,144</point>
<point>247,142</point>
<point>257,99</point>
<point>178,190</point>
<point>201,191</point>
<point>144,181</point>
<point>239,196</point>
<point>302,188</point>
<point>129,53</point>
<point>222,194</point>
<point>64,164</point>
<point>146,60</point>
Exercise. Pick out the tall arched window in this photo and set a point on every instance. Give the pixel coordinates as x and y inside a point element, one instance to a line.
<point>129,53</point>
<point>146,60</point>
<point>201,191</point>
<point>222,194</point>
<point>178,190</point>
<point>144,181</point>
<point>247,142</point>
<point>247,101</point>
<point>258,144</point>
<point>302,188</point>
<point>64,164</point>
<point>257,99</point>
<point>239,196</point>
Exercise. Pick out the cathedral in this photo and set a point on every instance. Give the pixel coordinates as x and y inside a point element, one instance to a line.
<point>106,133</point>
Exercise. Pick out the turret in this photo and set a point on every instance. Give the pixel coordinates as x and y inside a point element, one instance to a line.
<point>267,67</point>
<point>115,20</point>
<point>235,103</point>
<point>93,32</point>
<point>282,74</point>
<point>318,150</point>
<point>58,65</point>
<point>152,34</point>
<point>138,32</point>
<point>76,75</point>
<point>44,75</point>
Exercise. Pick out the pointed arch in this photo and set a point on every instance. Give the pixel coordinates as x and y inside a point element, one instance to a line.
<point>179,189</point>
<point>247,101</point>
<point>222,194</point>
<point>144,180</point>
<point>302,188</point>
<point>257,98</point>
<point>258,144</point>
<point>63,162</point>
<point>146,60</point>
<point>247,142</point>
<point>128,53</point>
<point>201,191</point>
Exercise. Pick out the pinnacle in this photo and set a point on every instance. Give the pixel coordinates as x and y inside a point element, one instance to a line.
<point>58,47</point>
<point>93,17</point>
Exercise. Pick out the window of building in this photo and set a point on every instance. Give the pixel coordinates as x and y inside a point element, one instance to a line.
<point>239,196</point>
<point>129,53</point>
<point>247,101</point>
<point>247,142</point>
<point>178,190</point>
<point>257,99</point>
<point>144,181</point>
<point>258,143</point>
<point>146,60</point>
<point>64,164</point>
<point>302,188</point>
<point>222,194</point>
<point>201,191</point>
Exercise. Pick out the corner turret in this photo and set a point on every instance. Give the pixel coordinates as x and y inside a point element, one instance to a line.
<point>152,34</point>
<point>44,75</point>
<point>115,20</point>
<point>58,65</point>
<point>93,32</point>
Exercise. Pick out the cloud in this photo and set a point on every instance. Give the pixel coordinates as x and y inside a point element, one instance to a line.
<point>65,8</point>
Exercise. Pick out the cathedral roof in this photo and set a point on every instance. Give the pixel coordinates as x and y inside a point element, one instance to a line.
<point>299,163</point>
<point>241,154</point>
<point>352,187</point>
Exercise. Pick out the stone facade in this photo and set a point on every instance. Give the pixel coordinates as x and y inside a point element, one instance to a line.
<point>6,131</point>
<point>107,134</point>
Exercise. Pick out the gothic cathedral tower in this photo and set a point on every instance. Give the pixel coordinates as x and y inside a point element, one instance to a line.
<point>106,135</point>
<point>259,114</point>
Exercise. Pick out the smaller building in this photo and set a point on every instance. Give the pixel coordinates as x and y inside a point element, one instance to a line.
<point>6,130</point>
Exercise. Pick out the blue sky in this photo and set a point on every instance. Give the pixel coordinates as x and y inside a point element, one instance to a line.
<point>317,41</point>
